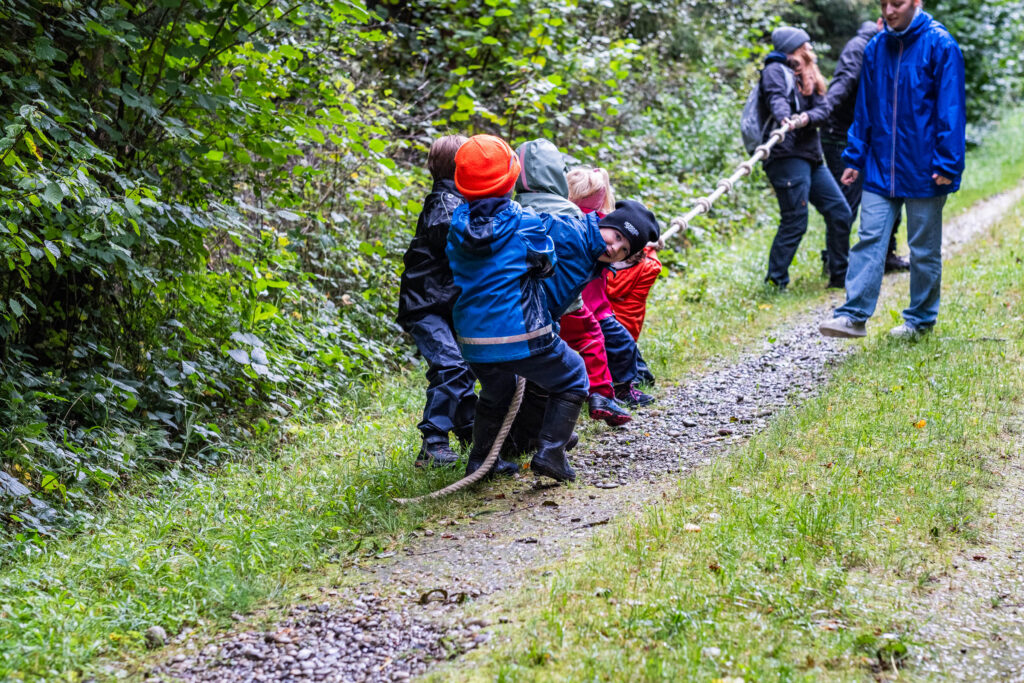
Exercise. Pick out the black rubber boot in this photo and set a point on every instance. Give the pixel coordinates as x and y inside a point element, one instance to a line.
<point>464,435</point>
<point>485,429</point>
<point>559,420</point>
<point>523,437</point>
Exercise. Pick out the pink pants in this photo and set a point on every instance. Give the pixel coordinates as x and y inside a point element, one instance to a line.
<point>581,331</point>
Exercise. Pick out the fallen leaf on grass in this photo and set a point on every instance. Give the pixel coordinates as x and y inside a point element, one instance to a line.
<point>920,424</point>
<point>689,526</point>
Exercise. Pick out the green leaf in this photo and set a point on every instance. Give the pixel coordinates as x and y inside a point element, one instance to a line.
<point>52,252</point>
<point>53,194</point>
<point>215,154</point>
<point>239,356</point>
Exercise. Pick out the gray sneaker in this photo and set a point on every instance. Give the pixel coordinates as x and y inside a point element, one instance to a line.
<point>841,326</point>
<point>905,331</point>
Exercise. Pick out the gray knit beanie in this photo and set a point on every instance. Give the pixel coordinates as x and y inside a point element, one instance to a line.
<point>787,39</point>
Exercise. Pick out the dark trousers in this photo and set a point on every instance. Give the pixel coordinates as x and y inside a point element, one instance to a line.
<point>853,192</point>
<point>797,182</point>
<point>620,346</point>
<point>451,401</point>
<point>560,370</point>
<point>643,373</point>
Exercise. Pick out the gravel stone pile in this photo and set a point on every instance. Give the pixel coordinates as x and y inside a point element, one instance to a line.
<point>367,641</point>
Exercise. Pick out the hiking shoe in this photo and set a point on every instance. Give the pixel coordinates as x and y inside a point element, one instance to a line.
<point>438,454</point>
<point>609,410</point>
<point>841,326</point>
<point>905,331</point>
<point>894,263</point>
<point>632,397</point>
<point>836,282</point>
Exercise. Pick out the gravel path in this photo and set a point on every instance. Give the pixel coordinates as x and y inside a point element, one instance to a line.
<point>410,609</point>
<point>974,618</point>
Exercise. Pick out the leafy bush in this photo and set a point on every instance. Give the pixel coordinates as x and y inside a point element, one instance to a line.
<point>203,205</point>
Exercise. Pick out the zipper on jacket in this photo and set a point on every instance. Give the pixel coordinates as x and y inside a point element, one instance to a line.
<point>895,100</point>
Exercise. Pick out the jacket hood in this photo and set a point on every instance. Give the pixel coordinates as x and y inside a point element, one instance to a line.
<point>542,185</point>
<point>922,20</point>
<point>776,56</point>
<point>482,226</point>
<point>445,185</point>
<point>869,29</point>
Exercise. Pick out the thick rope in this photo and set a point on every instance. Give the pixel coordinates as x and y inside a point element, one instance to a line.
<point>492,455</point>
<point>702,205</point>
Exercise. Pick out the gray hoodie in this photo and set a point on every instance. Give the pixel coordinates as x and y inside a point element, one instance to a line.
<point>541,185</point>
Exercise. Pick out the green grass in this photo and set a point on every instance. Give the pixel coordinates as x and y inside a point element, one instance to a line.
<point>811,532</point>
<point>189,550</point>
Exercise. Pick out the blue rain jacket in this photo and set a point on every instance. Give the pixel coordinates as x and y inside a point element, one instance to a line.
<point>541,187</point>
<point>578,244</point>
<point>498,254</point>
<point>910,117</point>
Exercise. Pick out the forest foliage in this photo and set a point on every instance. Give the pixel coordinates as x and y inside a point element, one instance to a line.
<point>203,203</point>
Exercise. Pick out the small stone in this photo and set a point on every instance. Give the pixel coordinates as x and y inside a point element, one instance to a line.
<point>249,652</point>
<point>688,423</point>
<point>303,654</point>
<point>156,636</point>
<point>724,432</point>
<point>711,652</point>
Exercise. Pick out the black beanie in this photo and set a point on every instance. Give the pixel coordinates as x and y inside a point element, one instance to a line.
<point>636,223</point>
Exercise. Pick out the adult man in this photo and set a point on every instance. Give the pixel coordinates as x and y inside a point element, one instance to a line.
<point>908,139</point>
<point>842,99</point>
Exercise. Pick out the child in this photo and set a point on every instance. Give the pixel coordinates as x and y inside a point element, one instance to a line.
<point>591,190</point>
<point>542,187</point>
<point>499,255</point>
<point>426,297</point>
<point>629,285</point>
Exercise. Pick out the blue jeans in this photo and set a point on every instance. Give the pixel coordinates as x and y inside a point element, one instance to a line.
<point>797,181</point>
<point>560,370</point>
<point>451,401</point>
<point>623,355</point>
<point>867,258</point>
<point>833,149</point>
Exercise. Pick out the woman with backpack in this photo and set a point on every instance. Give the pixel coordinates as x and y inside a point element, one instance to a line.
<point>793,89</point>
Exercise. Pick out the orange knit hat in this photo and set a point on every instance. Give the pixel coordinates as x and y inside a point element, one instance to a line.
<point>485,167</point>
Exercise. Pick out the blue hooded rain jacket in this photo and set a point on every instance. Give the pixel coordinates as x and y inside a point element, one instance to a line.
<point>498,253</point>
<point>910,117</point>
<point>543,188</point>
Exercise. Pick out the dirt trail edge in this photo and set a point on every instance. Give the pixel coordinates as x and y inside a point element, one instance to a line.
<point>408,612</point>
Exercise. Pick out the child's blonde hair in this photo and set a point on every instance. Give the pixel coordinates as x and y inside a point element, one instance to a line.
<point>584,182</point>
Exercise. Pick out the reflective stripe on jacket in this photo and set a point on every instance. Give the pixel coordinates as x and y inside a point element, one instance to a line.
<point>498,253</point>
